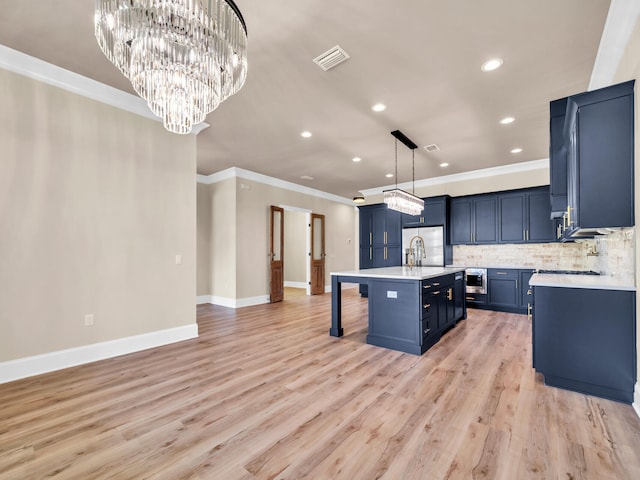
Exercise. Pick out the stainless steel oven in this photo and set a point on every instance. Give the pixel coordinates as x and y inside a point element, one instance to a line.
<point>476,280</point>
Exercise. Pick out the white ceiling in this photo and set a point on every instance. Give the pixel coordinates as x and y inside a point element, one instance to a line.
<point>420,57</point>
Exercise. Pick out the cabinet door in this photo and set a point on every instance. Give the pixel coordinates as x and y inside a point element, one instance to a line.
<point>379,225</point>
<point>366,219</point>
<point>524,289</point>
<point>557,157</point>
<point>366,257</point>
<point>393,227</point>
<point>458,299</point>
<point>540,226</point>
<point>486,225</point>
<point>511,208</point>
<point>435,212</point>
<point>502,287</point>
<point>461,220</point>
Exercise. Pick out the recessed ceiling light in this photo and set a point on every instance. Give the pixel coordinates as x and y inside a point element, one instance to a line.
<point>516,150</point>
<point>356,159</point>
<point>492,64</point>
<point>389,175</point>
<point>306,134</point>
<point>379,107</point>
<point>306,177</point>
<point>507,120</point>
<point>444,164</point>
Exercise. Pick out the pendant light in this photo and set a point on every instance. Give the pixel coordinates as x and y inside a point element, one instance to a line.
<point>397,199</point>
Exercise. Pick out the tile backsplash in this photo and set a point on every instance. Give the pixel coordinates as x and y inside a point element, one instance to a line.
<point>612,255</point>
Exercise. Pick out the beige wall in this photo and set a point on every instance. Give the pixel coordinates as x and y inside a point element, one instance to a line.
<point>629,69</point>
<point>224,236</point>
<point>253,230</point>
<point>203,240</point>
<point>238,265</point>
<point>295,246</point>
<point>95,204</point>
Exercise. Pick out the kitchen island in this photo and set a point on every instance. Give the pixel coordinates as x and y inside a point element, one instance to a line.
<point>583,332</point>
<point>409,307</point>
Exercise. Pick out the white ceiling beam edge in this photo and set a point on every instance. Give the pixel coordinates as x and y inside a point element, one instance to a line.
<point>31,67</point>
<point>542,164</point>
<point>621,20</point>
<point>236,172</point>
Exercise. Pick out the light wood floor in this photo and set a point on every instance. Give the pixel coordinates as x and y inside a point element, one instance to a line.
<point>265,392</point>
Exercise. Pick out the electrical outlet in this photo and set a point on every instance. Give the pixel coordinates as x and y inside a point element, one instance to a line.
<point>88,320</point>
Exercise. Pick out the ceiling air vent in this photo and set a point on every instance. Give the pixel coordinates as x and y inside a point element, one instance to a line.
<point>432,148</point>
<point>331,58</point>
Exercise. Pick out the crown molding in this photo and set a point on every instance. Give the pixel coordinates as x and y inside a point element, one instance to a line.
<point>236,172</point>
<point>36,69</point>
<point>472,175</point>
<point>621,20</point>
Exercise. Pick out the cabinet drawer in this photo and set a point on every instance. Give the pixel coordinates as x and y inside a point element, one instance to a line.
<point>426,330</point>
<point>475,299</point>
<point>432,284</point>
<point>504,273</point>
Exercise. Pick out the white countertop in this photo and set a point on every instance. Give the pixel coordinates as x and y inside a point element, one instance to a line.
<point>402,273</point>
<point>596,282</point>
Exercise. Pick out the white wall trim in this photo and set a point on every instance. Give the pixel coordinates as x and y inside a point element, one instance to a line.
<point>618,28</point>
<point>49,362</point>
<point>542,164</point>
<point>295,284</point>
<point>274,182</point>
<point>31,67</point>
<point>636,398</point>
<point>237,302</point>
<point>204,299</point>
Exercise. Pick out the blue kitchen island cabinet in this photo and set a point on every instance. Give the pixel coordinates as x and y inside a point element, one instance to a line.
<point>409,308</point>
<point>584,334</point>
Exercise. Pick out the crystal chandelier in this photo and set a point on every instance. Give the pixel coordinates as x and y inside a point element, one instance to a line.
<point>182,58</point>
<point>397,199</point>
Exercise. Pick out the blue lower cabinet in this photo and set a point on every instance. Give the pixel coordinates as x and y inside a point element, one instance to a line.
<point>410,315</point>
<point>584,340</point>
<point>502,288</point>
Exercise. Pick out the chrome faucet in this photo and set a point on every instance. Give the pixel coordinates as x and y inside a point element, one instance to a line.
<point>420,251</point>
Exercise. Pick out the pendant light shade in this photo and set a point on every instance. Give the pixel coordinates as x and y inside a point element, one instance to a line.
<point>397,199</point>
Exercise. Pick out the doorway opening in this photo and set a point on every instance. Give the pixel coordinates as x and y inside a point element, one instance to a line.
<point>297,245</point>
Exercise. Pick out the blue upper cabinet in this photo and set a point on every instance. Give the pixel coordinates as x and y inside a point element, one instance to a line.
<point>557,158</point>
<point>380,236</point>
<point>524,216</point>
<point>598,133</point>
<point>474,219</point>
<point>433,215</point>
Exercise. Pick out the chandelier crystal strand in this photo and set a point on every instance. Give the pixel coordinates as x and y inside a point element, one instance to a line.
<point>182,58</point>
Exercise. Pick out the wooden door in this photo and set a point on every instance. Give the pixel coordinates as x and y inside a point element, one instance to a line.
<point>317,254</point>
<point>276,248</point>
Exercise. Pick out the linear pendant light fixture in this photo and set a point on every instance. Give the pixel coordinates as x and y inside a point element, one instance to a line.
<point>183,58</point>
<point>397,199</point>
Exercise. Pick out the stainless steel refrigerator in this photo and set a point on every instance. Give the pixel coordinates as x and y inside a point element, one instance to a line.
<point>423,246</point>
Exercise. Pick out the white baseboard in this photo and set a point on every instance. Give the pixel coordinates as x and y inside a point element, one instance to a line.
<point>636,398</point>
<point>232,302</point>
<point>49,362</point>
<point>202,299</point>
<point>295,284</point>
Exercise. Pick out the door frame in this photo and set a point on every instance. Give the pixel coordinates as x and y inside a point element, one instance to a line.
<point>307,219</point>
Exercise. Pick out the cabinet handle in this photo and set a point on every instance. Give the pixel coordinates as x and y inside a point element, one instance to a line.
<point>436,284</point>
<point>470,298</point>
<point>370,253</point>
<point>421,219</point>
<point>426,286</point>
<point>516,284</point>
<point>370,238</point>
<point>385,238</point>
<point>569,215</point>
<point>501,273</point>
<point>427,330</point>
<point>426,306</point>
<point>529,292</point>
<point>528,236</point>
<point>450,294</point>
<point>524,235</point>
<point>529,311</point>
<point>564,221</point>
<point>437,293</point>
<point>385,253</point>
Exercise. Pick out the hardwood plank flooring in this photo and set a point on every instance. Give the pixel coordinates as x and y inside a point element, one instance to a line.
<point>266,393</point>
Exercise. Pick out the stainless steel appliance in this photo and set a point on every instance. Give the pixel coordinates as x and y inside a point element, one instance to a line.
<point>423,246</point>
<point>476,280</point>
